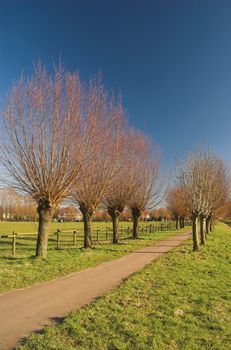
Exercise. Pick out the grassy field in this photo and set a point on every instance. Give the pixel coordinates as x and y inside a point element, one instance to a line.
<point>23,269</point>
<point>10,226</point>
<point>26,244</point>
<point>27,233</point>
<point>180,302</point>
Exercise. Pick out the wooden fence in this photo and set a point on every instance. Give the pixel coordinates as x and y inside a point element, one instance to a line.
<point>74,238</point>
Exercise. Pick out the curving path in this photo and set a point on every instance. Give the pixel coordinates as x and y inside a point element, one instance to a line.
<point>23,311</point>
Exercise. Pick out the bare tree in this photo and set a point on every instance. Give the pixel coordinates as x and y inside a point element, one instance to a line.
<point>217,193</point>
<point>147,190</point>
<point>160,214</point>
<point>216,189</point>
<point>46,140</point>
<point>90,189</point>
<point>8,199</point>
<point>122,184</point>
<point>126,215</point>
<point>205,185</point>
<point>175,203</point>
<point>192,179</point>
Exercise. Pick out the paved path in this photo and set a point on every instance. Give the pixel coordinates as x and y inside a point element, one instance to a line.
<point>25,310</point>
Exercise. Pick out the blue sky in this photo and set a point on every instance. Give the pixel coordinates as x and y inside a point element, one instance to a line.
<point>170,59</point>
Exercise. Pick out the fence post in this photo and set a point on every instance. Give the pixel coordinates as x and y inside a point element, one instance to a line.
<point>97,234</point>
<point>74,238</point>
<point>150,228</point>
<point>58,238</point>
<point>106,233</point>
<point>14,243</point>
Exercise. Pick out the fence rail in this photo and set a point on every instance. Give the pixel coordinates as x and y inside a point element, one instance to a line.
<point>72,237</point>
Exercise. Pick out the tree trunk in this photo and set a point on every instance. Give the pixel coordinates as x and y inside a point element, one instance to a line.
<point>136,220</point>
<point>136,214</point>
<point>87,213</point>
<point>115,224</point>
<point>202,230</point>
<point>87,217</point>
<point>177,222</point>
<point>44,217</point>
<point>182,222</point>
<point>207,224</point>
<point>115,212</point>
<point>195,232</point>
<point>211,224</point>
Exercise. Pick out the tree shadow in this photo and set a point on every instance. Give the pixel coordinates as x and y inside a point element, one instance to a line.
<point>23,340</point>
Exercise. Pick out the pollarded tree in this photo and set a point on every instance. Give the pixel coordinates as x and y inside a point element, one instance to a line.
<point>90,189</point>
<point>147,189</point>
<point>192,180</point>
<point>224,212</point>
<point>46,139</point>
<point>175,203</point>
<point>126,214</point>
<point>123,183</point>
<point>201,181</point>
<point>216,189</point>
<point>218,193</point>
<point>164,214</point>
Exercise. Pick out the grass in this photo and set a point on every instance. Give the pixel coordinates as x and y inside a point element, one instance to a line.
<point>24,270</point>
<point>10,226</point>
<point>179,302</point>
<point>26,244</point>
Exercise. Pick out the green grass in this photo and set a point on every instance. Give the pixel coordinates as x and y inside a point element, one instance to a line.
<point>23,269</point>
<point>10,226</point>
<point>179,302</point>
<point>26,244</point>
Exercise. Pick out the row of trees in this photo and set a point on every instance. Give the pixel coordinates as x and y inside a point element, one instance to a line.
<point>202,192</point>
<point>177,206</point>
<point>65,138</point>
<point>14,206</point>
<point>18,207</point>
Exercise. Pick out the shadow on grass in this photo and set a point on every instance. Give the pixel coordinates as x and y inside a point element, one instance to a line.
<point>18,257</point>
<point>23,340</point>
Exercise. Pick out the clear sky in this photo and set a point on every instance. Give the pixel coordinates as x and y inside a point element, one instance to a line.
<point>171,60</point>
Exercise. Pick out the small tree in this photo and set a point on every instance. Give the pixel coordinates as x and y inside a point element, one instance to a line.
<point>122,184</point>
<point>45,140</point>
<point>126,215</point>
<point>192,180</point>
<point>217,194</point>
<point>164,214</point>
<point>90,189</point>
<point>205,185</point>
<point>175,203</point>
<point>147,190</point>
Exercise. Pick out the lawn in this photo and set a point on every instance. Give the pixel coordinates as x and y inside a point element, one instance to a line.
<point>27,234</point>
<point>181,301</point>
<point>24,269</point>
<point>26,244</point>
<point>10,226</point>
